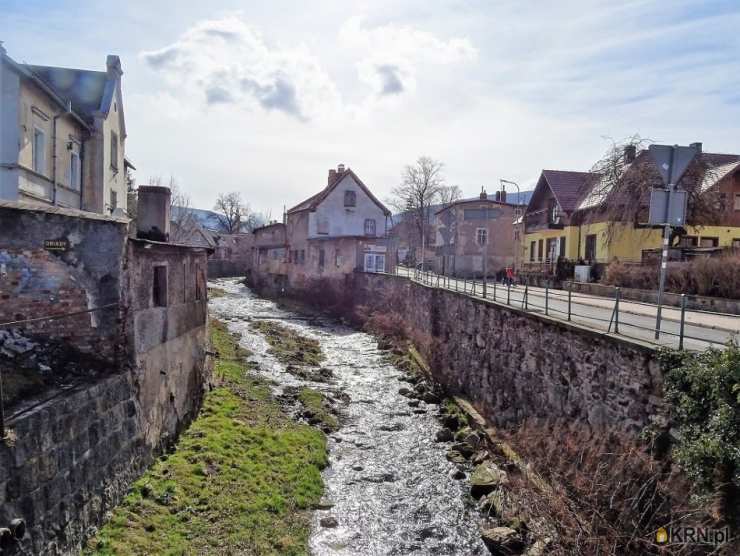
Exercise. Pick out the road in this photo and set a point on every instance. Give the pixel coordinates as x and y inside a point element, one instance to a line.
<point>635,319</point>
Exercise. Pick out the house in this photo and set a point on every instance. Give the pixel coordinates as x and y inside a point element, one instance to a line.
<point>62,136</point>
<point>340,229</point>
<point>233,255</point>
<point>269,259</point>
<point>475,236</point>
<point>579,216</point>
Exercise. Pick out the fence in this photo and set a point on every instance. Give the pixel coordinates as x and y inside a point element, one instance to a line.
<point>20,323</point>
<point>606,313</point>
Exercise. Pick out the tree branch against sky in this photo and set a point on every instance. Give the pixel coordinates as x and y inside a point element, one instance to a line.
<point>232,211</point>
<point>422,185</point>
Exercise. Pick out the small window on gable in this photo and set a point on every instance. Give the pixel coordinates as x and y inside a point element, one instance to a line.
<point>350,199</point>
<point>114,150</point>
<point>159,286</point>
<point>370,227</point>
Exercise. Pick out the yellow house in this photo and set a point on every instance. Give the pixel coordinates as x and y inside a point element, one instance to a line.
<point>62,136</point>
<point>565,220</point>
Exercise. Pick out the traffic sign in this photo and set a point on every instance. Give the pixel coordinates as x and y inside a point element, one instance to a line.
<point>672,161</point>
<point>667,207</point>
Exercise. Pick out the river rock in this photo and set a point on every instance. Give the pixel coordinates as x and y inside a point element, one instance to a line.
<point>492,504</point>
<point>404,392</point>
<point>444,435</point>
<point>456,457</point>
<point>328,522</point>
<point>464,448</point>
<point>485,478</point>
<point>430,397</point>
<point>472,439</point>
<point>502,540</point>
<point>414,403</point>
<point>458,474</point>
<point>394,427</point>
<point>451,422</point>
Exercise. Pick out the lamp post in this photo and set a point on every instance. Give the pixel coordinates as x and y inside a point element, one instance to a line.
<point>518,191</point>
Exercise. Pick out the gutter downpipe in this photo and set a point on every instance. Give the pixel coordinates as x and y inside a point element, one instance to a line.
<point>68,110</point>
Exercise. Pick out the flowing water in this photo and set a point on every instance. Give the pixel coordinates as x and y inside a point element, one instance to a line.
<point>390,483</point>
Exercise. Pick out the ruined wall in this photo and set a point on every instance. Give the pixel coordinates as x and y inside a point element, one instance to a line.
<point>514,365</point>
<point>73,458</point>
<point>37,282</point>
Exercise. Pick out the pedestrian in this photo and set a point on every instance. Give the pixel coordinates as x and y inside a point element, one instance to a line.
<point>509,276</point>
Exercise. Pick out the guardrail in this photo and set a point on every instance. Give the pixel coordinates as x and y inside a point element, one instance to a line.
<point>568,305</point>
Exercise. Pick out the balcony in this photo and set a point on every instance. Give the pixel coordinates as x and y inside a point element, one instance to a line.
<point>543,219</point>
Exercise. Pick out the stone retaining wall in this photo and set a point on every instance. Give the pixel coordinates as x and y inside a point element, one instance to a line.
<point>515,365</point>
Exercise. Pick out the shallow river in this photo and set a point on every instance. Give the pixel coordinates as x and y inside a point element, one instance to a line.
<point>390,483</point>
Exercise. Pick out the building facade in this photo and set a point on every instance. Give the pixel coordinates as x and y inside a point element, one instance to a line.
<point>62,136</point>
<point>574,216</point>
<point>475,237</point>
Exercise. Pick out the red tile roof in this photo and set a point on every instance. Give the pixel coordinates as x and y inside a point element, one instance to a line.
<point>568,187</point>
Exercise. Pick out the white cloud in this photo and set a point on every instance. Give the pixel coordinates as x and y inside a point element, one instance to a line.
<point>391,56</point>
<point>226,61</point>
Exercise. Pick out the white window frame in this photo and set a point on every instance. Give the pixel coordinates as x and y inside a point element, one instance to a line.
<point>39,154</point>
<point>74,170</point>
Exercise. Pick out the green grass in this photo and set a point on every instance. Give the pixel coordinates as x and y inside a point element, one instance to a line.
<point>288,346</point>
<point>314,402</point>
<point>213,293</point>
<point>241,479</point>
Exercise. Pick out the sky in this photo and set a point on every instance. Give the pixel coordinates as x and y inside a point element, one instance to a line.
<point>264,97</point>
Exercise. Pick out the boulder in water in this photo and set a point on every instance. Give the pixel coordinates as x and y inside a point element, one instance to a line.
<point>444,435</point>
<point>328,522</point>
<point>502,540</point>
<point>485,478</point>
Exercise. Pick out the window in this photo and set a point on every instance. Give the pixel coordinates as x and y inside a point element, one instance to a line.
<point>39,151</point>
<point>370,227</point>
<point>562,247</point>
<point>531,251</point>
<point>74,170</point>
<point>737,201</point>
<point>338,258</point>
<point>736,243</point>
<point>322,225</point>
<point>113,200</point>
<point>114,150</point>
<point>590,247</point>
<point>159,287</point>
<point>540,245</point>
<point>481,236</point>
<point>551,245</point>
<point>709,242</point>
<point>322,256</point>
<point>350,199</point>
<point>689,241</point>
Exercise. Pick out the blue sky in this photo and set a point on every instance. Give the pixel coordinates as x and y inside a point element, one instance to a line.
<point>263,99</point>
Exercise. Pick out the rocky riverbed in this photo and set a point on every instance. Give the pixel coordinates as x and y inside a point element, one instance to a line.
<point>398,481</point>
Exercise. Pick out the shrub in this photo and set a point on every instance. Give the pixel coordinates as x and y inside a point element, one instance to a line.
<point>709,276</point>
<point>704,395</point>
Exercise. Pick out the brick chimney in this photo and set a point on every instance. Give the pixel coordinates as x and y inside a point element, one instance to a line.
<point>630,152</point>
<point>503,195</point>
<point>483,194</point>
<point>153,213</point>
<point>332,175</point>
<point>698,146</point>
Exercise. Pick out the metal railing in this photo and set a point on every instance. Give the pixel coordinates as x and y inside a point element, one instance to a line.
<point>606,313</point>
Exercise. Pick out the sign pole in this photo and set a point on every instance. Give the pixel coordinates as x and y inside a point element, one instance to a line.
<point>666,244</point>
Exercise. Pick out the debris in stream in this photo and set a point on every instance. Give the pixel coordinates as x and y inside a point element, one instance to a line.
<point>288,346</point>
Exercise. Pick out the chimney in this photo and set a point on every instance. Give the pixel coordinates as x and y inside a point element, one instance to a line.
<point>697,146</point>
<point>483,194</point>
<point>340,168</point>
<point>332,175</point>
<point>113,66</point>
<point>497,197</point>
<point>153,213</point>
<point>503,195</point>
<point>630,152</point>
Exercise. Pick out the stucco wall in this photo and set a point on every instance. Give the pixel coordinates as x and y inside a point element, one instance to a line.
<point>346,221</point>
<point>514,365</point>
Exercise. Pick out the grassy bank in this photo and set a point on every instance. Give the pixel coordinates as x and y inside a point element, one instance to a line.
<point>288,346</point>
<point>240,480</point>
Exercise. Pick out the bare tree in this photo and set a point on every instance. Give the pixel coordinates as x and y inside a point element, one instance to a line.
<point>420,187</point>
<point>448,194</point>
<point>233,213</point>
<point>621,193</point>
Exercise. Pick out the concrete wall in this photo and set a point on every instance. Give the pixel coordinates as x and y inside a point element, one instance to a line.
<point>37,282</point>
<point>514,365</point>
<point>9,131</point>
<point>346,221</point>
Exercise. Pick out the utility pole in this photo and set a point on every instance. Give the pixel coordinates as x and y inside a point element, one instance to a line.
<point>668,206</point>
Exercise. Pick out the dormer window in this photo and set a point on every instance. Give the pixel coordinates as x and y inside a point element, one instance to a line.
<point>370,227</point>
<point>350,199</point>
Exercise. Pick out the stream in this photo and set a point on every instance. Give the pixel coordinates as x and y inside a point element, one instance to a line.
<point>390,485</point>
